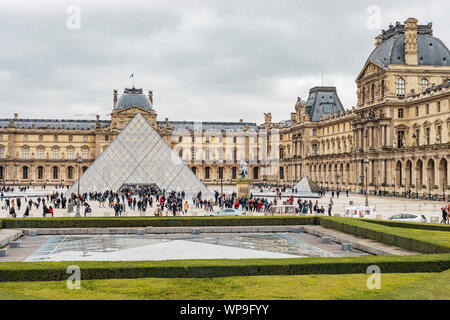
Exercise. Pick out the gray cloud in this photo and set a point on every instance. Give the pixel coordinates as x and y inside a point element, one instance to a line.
<point>204,59</point>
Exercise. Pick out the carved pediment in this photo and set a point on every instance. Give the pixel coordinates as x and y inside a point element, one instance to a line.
<point>369,69</point>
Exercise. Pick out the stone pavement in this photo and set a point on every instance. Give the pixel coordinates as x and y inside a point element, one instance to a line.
<point>366,245</point>
<point>385,206</point>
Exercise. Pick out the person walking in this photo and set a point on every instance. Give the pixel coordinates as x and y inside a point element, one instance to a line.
<point>444,215</point>
<point>330,206</point>
<point>186,207</point>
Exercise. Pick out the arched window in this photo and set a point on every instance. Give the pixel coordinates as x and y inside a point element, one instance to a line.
<point>194,170</point>
<point>40,173</point>
<point>207,173</point>
<point>70,173</point>
<point>180,153</point>
<point>281,173</point>
<point>84,169</point>
<point>255,173</point>
<point>55,173</point>
<point>400,87</point>
<point>423,83</point>
<point>1,173</point>
<point>24,172</point>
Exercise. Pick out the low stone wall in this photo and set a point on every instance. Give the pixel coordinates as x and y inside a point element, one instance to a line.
<point>159,230</point>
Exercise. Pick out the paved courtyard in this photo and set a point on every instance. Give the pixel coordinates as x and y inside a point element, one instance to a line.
<point>385,206</point>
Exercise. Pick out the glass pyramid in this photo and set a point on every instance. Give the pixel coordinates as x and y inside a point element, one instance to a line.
<point>140,156</point>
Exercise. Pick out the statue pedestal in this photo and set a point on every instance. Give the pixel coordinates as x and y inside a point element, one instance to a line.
<point>243,187</point>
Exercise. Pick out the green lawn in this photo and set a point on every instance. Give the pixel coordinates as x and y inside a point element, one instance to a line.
<point>349,286</point>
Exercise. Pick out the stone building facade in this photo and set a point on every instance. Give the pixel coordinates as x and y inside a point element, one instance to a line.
<point>400,125</point>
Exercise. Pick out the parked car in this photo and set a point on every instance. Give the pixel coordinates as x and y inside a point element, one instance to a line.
<point>410,217</point>
<point>360,212</point>
<point>226,212</point>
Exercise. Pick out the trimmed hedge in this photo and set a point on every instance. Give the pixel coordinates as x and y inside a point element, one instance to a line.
<point>411,225</point>
<point>107,222</point>
<point>57,271</point>
<point>410,239</point>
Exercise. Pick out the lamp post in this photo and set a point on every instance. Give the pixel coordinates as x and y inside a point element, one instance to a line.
<point>417,189</point>
<point>405,186</point>
<point>429,187</point>
<point>366,164</point>
<point>77,214</point>
<point>221,179</point>
<point>394,186</point>
<point>443,189</point>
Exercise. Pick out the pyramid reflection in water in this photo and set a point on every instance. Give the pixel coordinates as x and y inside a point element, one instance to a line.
<point>139,155</point>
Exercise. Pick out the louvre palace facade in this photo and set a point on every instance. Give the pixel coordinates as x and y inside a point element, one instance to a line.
<point>397,137</point>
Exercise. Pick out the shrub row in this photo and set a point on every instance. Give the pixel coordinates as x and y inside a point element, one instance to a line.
<point>410,239</point>
<point>411,225</point>
<point>155,222</point>
<point>57,271</point>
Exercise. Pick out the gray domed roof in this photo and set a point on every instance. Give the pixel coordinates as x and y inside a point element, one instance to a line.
<point>431,51</point>
<point>133,97</point>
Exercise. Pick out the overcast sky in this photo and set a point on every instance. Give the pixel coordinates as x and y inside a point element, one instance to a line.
<point>205,60</point>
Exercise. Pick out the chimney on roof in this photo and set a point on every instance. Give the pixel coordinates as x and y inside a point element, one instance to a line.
<point>16,115</point>
<point>115,97</point>
<point>378,40</point>
<point>150,96</point>
<point>411,41</point>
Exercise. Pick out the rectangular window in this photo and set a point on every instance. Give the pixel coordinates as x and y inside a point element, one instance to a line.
<point>401,138</point>
<point>314,149</point>
<point>427,135</point>
<point>40,153</point>
<point>1,137</point>
<point>55,154</point>
<point>417,111</point>
<point>438,106</point>
<point>41,137</point>
<point>25,137</point>
<point>70,154</point>
<point>55,138</point>
<point>427,108</point>
<point>85,139</point>
<point>207,154</point>
<point>70,138</point>
<point>25,153</point>
<point>85,154</point>
<point>1,153</point>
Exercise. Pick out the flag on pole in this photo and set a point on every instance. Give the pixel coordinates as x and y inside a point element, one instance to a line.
<point>132,75</point>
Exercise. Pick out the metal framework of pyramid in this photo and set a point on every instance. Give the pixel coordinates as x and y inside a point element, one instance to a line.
<point>139,156</point>
<point>307,187</point>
